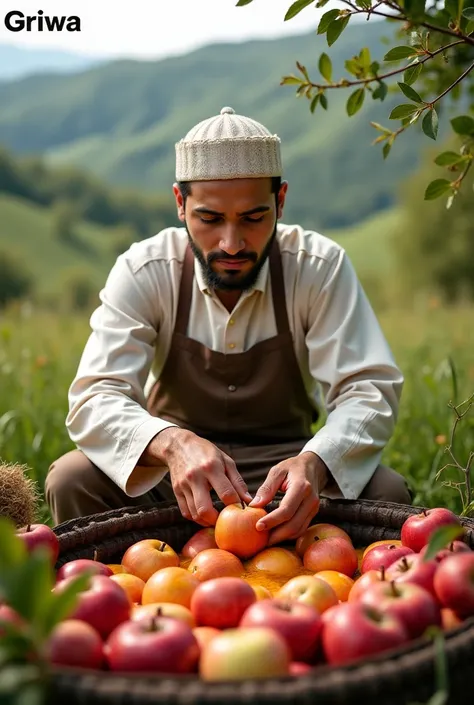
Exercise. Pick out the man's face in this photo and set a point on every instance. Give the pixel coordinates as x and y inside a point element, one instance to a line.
<point>231,226</point>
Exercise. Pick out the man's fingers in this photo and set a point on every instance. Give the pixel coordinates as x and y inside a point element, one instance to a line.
<point>298,524</point>
<point>236,479</point>
<point>205,511</point>
<point>287,509</point>
<point>269,488</point>
<point>183,505</point>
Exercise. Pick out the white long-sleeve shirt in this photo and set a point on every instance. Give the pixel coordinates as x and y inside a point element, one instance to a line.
<point>341,350</point>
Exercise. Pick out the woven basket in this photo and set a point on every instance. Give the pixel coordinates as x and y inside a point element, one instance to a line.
<point>400,677</point>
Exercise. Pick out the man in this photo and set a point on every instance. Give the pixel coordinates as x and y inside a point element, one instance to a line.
<point>201,375</point>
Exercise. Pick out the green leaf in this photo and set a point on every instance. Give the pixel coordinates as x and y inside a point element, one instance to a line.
<point>326,20</point>
<point>374,68</point>
<point>415,9</point>
<point>386,149</point>
<point>463,125</point>
<point>364,57</point>
<point>435,189</point>
<point>314,102</point>
<point>336,28</point>
<point>469,27</point>
<point>63,603</point>
<point>355,101</point>
<point>352,66</point>
<point>448,158</point>
<point>291,80</point>
<point>380,92</point>
<point>324,101</point>
<point>410,93</point>
<point>412,72</point>
<point>430,124</point>
<point>403,111</point>
<point>322,3</point>
<point>325,66</point>
<point>468,13</point>
<point>296,8</point>
<point>445,534</point>
<point>12,549</point>
<point>401,52</point>
<point>453,8</point>
<point>28,587</point>
<point>241,3</point>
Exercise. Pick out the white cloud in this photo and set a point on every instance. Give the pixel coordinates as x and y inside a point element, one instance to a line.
<point>156,28</point>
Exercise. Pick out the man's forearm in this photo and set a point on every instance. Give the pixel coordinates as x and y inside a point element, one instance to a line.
<point>160,448</point>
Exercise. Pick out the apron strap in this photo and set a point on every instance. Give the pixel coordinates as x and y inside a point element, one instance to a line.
<point>185,293</point>
<point>278,291</point>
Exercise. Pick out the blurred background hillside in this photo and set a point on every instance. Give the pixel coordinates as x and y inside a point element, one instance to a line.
<point>86,168</point>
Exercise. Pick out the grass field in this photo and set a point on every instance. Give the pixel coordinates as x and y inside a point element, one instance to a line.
<point>39,354</point>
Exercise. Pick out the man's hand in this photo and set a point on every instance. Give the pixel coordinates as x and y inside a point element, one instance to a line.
<point>196,466</point>
<point>301,478</point>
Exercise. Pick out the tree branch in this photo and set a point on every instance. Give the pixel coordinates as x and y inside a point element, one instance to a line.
<point>361,81</point>
<point>450,88</point>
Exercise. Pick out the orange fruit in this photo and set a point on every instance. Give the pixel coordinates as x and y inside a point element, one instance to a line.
<point>340,583</point>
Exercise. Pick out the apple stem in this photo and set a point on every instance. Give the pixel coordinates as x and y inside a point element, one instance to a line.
<point>162,547</point>
<point>243,505</point>
<point>382,572</point>
<point>405,564</point>
<point>451,546</point>
<point>28,528</point>
<point>395,592</point>
<point>95,556</point>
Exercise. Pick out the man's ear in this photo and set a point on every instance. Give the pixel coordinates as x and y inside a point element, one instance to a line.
<point>281,197</point>
<point>179,202</point>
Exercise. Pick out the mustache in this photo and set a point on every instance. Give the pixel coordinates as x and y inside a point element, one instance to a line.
<point>213,256</point>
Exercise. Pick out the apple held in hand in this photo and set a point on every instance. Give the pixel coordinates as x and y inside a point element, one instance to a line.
<point>202,539</point>
<point>104,604</point>
<point>221,602</point>
<point>75,643</point>
<point>331,554</point>
<point>412,569</point>
<point>415,607</point>
<point>35,535</point>
<point>145,557</point>
<point>243,653</point>
<point>417,529</point>
<point>236,532</point>
<point>353,631</point>
<point>320,531</point>
<point>155,644</point>
<point>299,624</point>
<point>454,583</point>
<point>383,556</point>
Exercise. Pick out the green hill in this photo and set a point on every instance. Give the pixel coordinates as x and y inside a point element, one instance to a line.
<point>27,231</point>
<point>120,121</point>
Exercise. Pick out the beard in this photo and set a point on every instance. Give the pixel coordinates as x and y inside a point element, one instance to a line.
<point>232,280</point>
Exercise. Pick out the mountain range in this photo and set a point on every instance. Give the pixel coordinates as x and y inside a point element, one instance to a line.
<point>18,62</point>
<point>119,120</point>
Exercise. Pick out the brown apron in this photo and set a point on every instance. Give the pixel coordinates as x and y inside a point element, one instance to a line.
<point>252,405</point>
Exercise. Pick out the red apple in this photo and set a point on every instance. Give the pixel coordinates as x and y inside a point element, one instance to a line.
<point>414,606</point>
<point>363,582</point>
<point>35,535</point>
<point>454,583</point>
<point>322,531</point>
<point>236,531</point>
<point>103,604</point>
<point>155,644</point>
<point>454,547</point>
<point>449,619</point>
<point>383,556</point>
<point>75,643</point>
<point>413,569</point>
<point>356,631</point>
<point>298,668</point>
<point>202,539</point>
<point>335,553</point>
<point>215,563</point>
<point>417,529</point>
<point>83,565</point>
<point>298,623</point>
<point>244,653</point>
<point>221,602</point>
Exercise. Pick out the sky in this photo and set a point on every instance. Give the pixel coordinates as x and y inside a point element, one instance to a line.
<point>157,28</point>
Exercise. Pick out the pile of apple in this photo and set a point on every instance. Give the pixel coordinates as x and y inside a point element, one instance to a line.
<point>203,611</point>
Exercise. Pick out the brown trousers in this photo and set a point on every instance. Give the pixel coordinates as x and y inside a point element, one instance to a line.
<point>75,487</point>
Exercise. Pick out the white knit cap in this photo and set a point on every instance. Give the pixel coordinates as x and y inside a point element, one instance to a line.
<point>228,146</point>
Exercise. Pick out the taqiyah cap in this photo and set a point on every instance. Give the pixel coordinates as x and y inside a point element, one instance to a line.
<point>228,146</point>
